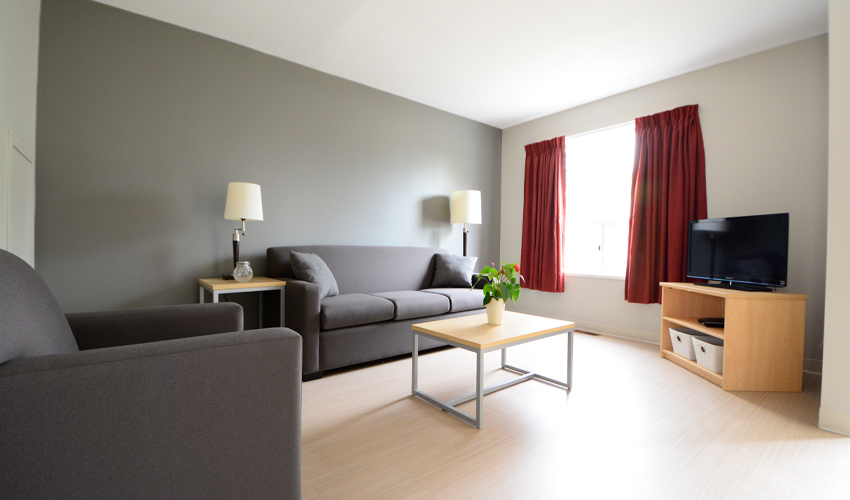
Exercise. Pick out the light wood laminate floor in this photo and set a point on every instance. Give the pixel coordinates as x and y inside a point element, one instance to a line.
<point>635,426</point>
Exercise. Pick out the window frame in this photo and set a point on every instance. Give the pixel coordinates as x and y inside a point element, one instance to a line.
<point>602,223</point>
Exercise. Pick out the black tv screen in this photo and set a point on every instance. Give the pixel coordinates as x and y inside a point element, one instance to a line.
<point>740,250</point>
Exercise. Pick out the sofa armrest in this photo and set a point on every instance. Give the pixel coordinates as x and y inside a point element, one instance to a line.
<point>216,416</point>
<point>303,306</point>
<point>153,324</point>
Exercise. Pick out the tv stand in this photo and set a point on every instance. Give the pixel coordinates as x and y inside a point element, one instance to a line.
<point>744,287</point>
<point>763,334</point>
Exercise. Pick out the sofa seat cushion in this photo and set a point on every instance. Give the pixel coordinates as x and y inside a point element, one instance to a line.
<point>354,309</point>
<point>460,299</point>
<point>410,304</point>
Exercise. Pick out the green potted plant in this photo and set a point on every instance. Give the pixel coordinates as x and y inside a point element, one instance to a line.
<point>502,284</point>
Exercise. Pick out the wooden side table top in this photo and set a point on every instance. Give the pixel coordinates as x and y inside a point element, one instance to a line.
<point>475,332</point>
<point>219,284</point>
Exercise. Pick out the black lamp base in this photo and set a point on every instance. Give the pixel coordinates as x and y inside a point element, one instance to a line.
<point>235,255</point>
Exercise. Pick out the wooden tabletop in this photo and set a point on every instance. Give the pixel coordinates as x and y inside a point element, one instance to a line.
<point>735,294</point>
<point>256,282</point>
<point>475,332</point>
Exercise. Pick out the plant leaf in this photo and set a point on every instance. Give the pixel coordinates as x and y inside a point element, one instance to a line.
<point>487,300</point>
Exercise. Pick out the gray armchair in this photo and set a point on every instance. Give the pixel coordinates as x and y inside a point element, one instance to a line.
<point>168,402</point>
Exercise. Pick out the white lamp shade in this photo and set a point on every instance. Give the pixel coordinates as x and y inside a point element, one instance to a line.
<point>243,202</point>
<point>466,207</point>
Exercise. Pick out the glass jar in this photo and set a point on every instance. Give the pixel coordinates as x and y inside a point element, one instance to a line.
<point>243,272</point>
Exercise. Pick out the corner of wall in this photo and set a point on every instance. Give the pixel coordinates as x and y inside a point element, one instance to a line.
<point>835,393</point>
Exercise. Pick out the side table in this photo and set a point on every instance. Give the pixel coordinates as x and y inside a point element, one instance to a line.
<point>218,286</point>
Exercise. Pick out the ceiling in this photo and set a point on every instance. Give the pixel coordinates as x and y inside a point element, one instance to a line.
<point>499,62</point>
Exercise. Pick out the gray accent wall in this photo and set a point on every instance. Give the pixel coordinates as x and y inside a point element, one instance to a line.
<point>142,124</point>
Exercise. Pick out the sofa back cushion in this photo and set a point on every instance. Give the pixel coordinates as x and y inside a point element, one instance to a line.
<point>364,269</point>
<point>31,322</point>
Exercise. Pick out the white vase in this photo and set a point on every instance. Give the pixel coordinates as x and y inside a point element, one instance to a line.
<point>495,311</point>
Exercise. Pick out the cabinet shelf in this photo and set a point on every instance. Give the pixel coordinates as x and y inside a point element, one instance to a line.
<point>763,334</point>
<point>694,324</point>
<point>693,366</point>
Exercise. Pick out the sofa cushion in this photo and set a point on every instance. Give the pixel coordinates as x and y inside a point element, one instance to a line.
<point>411,304</point>
<point>453,271</point>
<point>310,267</point>
<point>354,309</point>
<point>461,299</point>
<point>363,269</point>
<point>31,322</point>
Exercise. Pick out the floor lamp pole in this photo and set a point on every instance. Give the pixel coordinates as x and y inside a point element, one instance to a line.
<point>465,232</point>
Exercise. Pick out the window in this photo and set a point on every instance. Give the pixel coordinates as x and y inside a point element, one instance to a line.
<point>598,190</point>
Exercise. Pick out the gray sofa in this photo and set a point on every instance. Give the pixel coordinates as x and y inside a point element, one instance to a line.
<point>383,291</point>
<point>166,402</point>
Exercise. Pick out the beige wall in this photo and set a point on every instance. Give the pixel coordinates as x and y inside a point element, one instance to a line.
<point>764,123</point>
<point>835,396</point>
<point>18,77</point>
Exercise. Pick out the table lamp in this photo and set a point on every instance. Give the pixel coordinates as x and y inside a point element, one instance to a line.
<point>466,209</point>
<point>243,203</point>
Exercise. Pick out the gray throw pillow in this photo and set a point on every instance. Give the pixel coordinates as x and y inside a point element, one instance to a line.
<point>453,271</point>
<point>310,267</point>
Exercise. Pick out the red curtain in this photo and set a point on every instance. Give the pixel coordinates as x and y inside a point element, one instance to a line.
<point>668,190</point>
<point>543,216</point>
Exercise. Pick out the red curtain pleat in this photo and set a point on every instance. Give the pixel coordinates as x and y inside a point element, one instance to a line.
<point>543,216</point>
<point>668,190</point>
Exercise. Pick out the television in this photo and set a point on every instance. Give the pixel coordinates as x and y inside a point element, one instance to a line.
<point>743,253</point>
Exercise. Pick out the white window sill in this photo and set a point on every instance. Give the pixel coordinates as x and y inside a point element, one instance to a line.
<point>596,276</point>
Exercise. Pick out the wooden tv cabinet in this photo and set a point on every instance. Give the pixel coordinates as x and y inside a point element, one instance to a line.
<point>763,334</point>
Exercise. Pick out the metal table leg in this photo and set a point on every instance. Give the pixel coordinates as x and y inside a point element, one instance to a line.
<point>480,390</point>
<point>570,359</point>
<point>415,362</point>
<point>282,308</point>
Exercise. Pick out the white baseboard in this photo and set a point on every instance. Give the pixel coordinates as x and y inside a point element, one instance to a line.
<point>834,421</point>
<point>811,365</point>
<point>616,331</point>
<point>601,328</point>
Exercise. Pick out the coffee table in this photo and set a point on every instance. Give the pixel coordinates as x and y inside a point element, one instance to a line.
<point>474,334</point>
